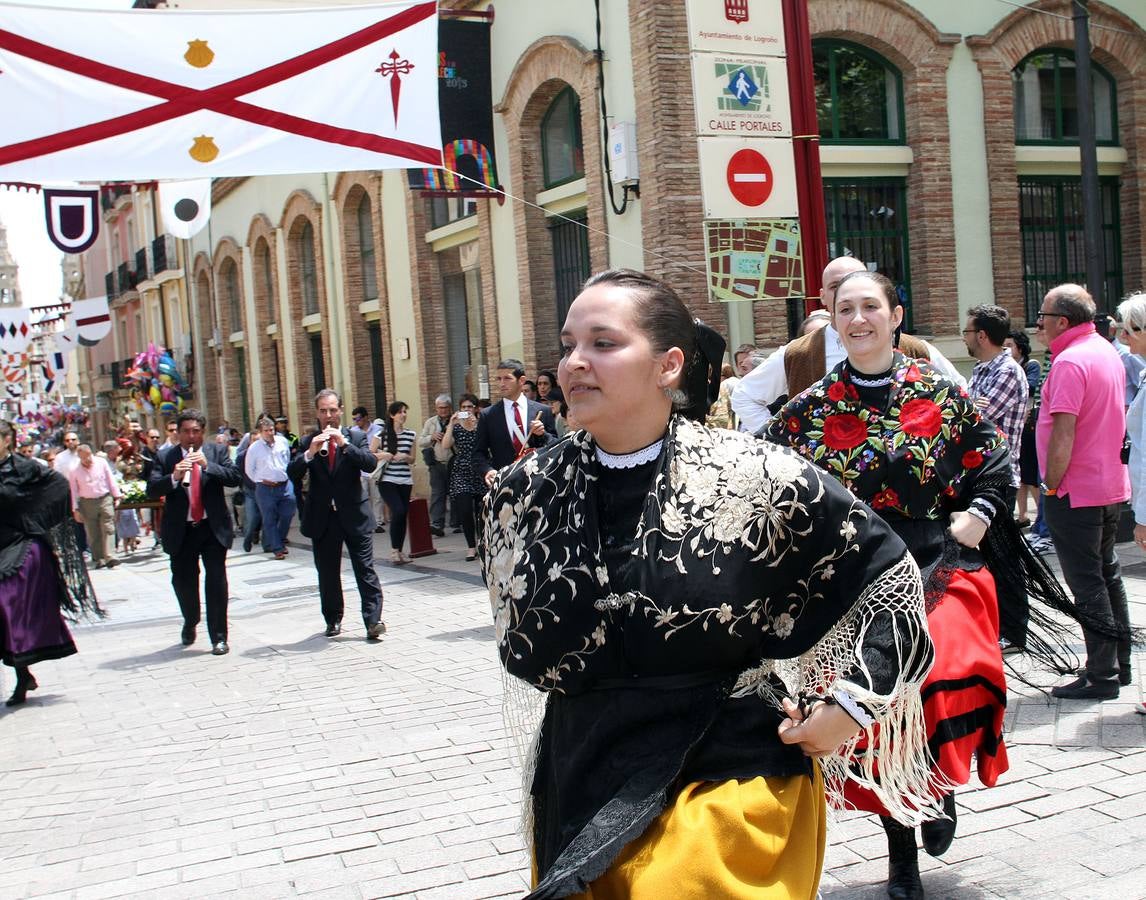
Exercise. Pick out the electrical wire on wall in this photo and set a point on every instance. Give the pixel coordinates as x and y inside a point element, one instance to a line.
<point>628,189</point>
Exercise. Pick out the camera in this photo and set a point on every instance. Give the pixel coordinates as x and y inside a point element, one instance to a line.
<point>464,414</point>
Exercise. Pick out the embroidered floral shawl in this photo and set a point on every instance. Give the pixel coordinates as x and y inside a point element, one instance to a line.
<point>918,458</point>
<point>751,562</point>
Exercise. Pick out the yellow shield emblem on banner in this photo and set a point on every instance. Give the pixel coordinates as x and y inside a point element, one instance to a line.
<point>199,54</point>
<point>204,149</point>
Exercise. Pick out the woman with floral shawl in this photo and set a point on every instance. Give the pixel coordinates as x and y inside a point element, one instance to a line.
<point>711,622</point>
<point>912,444</point>
<point>41,570</point>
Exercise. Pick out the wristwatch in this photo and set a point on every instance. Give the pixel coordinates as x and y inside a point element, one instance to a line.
<point>1049,491</point>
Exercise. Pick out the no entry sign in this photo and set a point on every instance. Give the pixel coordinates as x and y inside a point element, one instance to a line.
<point>749,177</point>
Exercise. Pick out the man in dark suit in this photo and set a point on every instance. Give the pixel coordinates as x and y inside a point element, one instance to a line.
<point>507,428</point>
<point>196,523</point>
<point>337,512</point>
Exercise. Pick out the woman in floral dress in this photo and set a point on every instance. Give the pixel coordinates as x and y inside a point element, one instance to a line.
<point>466,487</point>
<point>901,437</point>
<point>705,625</point>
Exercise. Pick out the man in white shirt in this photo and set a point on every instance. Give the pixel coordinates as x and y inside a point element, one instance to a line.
<point>756,397</point>
<point>266,465</point>
<point>67,459</point>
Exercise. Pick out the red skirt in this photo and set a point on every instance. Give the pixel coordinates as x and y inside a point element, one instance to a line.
<point>965,696</point>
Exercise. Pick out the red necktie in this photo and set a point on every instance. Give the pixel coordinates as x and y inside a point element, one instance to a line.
<point>196,495</point>
<point>517,445</point>
<point>331,452</point>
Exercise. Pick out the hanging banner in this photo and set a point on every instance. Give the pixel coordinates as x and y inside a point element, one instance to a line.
<point>92,320</point>
<point>465,100</point>
<point>72,217</point>
<point>210,94</point>
<point>13,369</point>
<point>185,205</point>
<point>15,329</point>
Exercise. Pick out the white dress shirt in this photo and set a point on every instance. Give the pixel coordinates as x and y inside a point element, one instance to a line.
<point>268,463</point>
<point>65,461</point>
<point>522,403</point>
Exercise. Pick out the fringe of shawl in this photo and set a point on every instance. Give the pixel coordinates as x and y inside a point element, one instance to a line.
<point>896,766</point>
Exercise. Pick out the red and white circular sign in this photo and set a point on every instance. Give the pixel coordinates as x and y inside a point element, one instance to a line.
<point>749,177</point>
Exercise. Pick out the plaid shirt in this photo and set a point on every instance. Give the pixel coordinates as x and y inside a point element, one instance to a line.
<point>999,388</point>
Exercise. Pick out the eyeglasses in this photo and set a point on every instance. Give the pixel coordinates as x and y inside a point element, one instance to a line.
<point>971,330</point>
<point>1050,312</point>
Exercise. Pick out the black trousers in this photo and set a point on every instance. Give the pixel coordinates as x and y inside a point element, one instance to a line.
<point>200,542</point>
<point>328,561</point>
<point>467,506</point>
<point>397,500</point>
<point>1084,540</point>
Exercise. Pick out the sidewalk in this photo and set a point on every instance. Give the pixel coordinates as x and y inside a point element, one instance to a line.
<point>302,765</point>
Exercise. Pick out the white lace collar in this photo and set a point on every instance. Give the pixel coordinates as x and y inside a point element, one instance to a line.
<point>630,460</point>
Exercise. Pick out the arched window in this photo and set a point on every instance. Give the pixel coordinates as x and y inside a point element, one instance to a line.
<point>562,155</point>
<point>266,273</point>
<point>231,294</point>
<point>366,249</point>
<point>859,95</point>
<point>308,270</point>
<point>1046,100</point>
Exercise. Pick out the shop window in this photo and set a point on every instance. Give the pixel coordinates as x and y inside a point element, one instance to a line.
<point>1050,221</point>
<point>859,95</point>
<point>1046,100</point>
<point>562,154</point>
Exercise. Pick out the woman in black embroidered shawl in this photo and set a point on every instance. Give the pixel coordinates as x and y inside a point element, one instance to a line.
<point>670,589</point>
<point>41,569</point>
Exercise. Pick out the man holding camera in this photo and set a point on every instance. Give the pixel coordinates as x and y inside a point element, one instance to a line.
<point>437,459</point>
<point>337,513</point>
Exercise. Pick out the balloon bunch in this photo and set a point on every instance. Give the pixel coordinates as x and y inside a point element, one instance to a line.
<point>51,416</point>
<point>155,383</point>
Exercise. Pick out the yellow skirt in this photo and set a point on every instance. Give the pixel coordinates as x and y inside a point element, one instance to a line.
<point>752,839</point>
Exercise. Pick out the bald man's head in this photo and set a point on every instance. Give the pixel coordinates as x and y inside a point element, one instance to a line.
<point>833,272</point>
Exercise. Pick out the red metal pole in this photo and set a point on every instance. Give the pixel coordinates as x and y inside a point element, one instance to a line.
<point>806,131</point>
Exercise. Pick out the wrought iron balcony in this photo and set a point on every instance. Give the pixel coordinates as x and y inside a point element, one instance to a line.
<point>141,265</point>
<point>163,256</point>
<point>109,286</point>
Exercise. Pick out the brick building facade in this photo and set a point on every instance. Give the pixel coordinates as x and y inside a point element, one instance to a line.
<point>354,280</point>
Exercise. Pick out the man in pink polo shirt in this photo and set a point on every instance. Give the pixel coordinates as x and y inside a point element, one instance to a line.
<point>1079,436</point>
<point>94,492</point>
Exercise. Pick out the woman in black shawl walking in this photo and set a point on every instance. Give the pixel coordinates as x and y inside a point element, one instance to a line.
<point>42,573</point>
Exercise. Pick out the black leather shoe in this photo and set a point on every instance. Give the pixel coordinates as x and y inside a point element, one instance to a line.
<point>374,632</point>
<point>903,882</point>
<point>188,635</point>
<point>333,629</point>
<point>220,649</point>
<point>438,532</point>
<point>1081,689</point>
<point>1125,675</point>
<point>939,833</point>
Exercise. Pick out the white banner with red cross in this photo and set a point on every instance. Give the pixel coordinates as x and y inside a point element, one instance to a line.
<point>101,95</point>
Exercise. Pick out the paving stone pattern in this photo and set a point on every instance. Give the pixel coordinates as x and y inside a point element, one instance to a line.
<point>301,765</point>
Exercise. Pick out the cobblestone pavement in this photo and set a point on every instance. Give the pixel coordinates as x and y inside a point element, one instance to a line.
<point>302,765</point>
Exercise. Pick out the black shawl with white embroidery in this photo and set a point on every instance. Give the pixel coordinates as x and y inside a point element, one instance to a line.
<point>756,575</point>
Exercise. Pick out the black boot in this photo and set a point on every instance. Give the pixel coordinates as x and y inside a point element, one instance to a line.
<point>939,833</point>
<point>25,681</point>
<point>902,862</point>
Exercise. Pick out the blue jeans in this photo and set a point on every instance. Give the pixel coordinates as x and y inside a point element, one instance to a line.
<point>276,506</point>
<point>1040,529</point>
<point>252,519</point>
